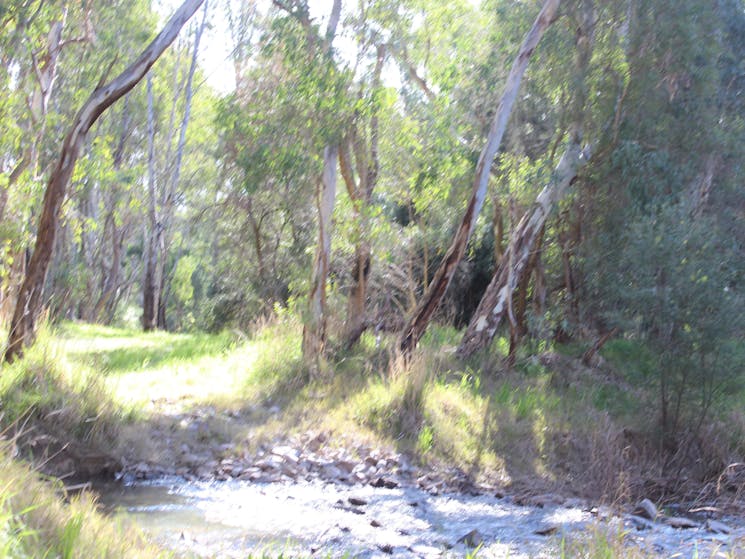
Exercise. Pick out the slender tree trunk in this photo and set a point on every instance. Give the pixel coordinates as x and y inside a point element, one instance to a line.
<point>151,283</point>
<point>497,299</point>
<point>314,329</point>
<point>417,324</point>
<point>29,303</point>
<point>171,193</point>
<point>112,275</point>
<point>360,193</point>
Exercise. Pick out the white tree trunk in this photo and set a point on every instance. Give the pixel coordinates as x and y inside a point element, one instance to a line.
<point>314,329</point>
<point>495,303</point>
<point>497,300</point>
<point>417,324</point>
<point>314,332</point>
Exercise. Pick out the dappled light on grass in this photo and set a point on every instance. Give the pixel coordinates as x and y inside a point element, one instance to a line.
<point>158,371</point>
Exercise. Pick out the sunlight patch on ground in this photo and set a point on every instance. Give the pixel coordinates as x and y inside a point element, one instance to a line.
<point>177,385</point>
<point>160,372</point>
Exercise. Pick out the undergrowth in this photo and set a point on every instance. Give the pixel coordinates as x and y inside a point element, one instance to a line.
<point>38,520</point>
<point>546,424</point>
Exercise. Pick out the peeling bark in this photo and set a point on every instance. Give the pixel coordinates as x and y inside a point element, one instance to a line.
<point>496,300</point>
<point>29,303</point>
<point>314,329</point>
<point>417,324</point>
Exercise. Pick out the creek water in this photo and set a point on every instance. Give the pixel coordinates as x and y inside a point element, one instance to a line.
<point>236,518</point>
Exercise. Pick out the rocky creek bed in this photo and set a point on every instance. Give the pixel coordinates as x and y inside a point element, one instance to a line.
<point>234,518</point>
<point>306,498</point>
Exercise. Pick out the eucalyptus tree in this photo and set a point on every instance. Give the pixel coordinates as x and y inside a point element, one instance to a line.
<point>418,322</point>
<point>35,39</point>
<point>496,302</point>
<point>161,211</point>
<point>29,302</point>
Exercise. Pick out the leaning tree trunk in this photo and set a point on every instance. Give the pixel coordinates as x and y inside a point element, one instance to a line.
<point>417,324</point>
<point>496,301</point>
<point>29,302</point>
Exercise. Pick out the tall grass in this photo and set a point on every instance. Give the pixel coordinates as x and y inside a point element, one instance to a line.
<point>35,521</point>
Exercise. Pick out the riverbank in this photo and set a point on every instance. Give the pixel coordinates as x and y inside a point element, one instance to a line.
<point>91,401</point>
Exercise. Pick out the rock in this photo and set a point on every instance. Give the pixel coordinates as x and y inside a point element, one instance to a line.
<point>270,463</point>
<point>602,512</point>
<point>646,509</point>
<point>640,523</point>
<point>386,548</point>
<point>332,472</point>
<point>423,550</point>
<point>340,505</point>
<point>388,483</point>
<point>541,501</point>
<point>375,524</point>
<point>546,530</point>
<point>472,539</point>
<point>316,440</point>
<point>287,453</point>
<point>357,502</point>
<point>680,522</point>
<point>717,527</point>
<point>289,470</point>
<point>346,466</point>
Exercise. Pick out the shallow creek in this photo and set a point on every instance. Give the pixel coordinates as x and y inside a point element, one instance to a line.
<point>235,518</point>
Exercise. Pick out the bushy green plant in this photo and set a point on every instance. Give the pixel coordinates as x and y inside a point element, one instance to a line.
<point>673,282</point>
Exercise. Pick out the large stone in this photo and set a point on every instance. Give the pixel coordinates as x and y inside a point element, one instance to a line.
<point>717,527</point>
<point>681,522</point>
<point>641,523</point>
<point>287,453</point>
<point>388,483</point>
<point>646,509</point>
<point>270,463</point>
<point>546,530</point>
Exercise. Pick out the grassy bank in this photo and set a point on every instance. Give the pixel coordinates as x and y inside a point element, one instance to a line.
<point>38,519</point>
<point>547,422</point>
<point>87,397</point>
